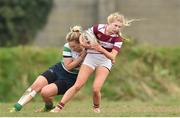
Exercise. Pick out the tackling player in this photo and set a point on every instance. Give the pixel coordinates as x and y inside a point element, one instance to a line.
<point>58,78</point>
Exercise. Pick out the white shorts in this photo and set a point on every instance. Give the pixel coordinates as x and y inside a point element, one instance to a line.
<point>97,60</point>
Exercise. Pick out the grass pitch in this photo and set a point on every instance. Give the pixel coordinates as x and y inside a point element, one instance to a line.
<point>162,108</point>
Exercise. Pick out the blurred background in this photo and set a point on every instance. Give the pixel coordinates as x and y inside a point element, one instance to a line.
<point>159,27</point>
<point>33,31</point>
<point>45,23</point>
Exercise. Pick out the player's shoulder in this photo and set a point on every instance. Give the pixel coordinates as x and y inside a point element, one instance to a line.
<point>100,26</point>
<point>67,47</point>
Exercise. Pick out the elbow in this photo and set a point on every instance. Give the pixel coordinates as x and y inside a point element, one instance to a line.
<point>112,57</point>
<point>113,60</point>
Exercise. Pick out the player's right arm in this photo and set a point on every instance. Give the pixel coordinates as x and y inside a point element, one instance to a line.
<point>71,63</point>
<point>68,61</point>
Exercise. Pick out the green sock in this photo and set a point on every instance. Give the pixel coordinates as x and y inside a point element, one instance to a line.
<point>48,106</point>
<point>18,107</point>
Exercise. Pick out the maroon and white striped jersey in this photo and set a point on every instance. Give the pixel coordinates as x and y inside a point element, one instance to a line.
<point>108,42</point>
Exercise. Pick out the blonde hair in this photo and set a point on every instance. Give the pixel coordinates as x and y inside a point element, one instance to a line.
<point>125,22</point>
<point>119,17</point>
<point>74,34</point>
<point>115,16</point>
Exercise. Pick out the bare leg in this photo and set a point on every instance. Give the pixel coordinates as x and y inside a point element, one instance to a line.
<point>39,83</point>
<point>100,77</point>
<point>47,94</point>
<point>81,80</point>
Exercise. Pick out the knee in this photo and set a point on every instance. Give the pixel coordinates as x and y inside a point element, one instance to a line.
<point>96,90</point>
<point>77,88</point>
<point>39,83</point>
<point>44,93</point>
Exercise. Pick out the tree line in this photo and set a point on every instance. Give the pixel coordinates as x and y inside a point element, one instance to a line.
<point>20,20</point>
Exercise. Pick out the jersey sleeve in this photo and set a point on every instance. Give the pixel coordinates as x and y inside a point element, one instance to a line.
<point>118,44</point>
<point>67,51</point>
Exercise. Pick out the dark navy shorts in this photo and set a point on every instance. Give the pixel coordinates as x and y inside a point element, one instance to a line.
<point>58,75</point>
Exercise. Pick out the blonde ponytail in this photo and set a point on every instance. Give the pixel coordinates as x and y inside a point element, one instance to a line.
<point>76,29</point>
<point>74,34</point>
<point>128,22</point>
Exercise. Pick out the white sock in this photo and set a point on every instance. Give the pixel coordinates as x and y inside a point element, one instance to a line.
<point>27,96</point>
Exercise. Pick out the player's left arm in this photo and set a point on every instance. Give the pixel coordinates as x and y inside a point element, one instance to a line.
<point>110,55</point>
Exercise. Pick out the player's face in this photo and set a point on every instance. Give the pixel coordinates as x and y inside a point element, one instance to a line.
<point>115,27</point>
<point>75,46</point>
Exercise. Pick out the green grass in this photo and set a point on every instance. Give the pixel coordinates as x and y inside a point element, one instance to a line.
<point>164,107</point>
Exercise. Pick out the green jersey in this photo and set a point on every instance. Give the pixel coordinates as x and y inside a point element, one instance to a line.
<point>69,53</point>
